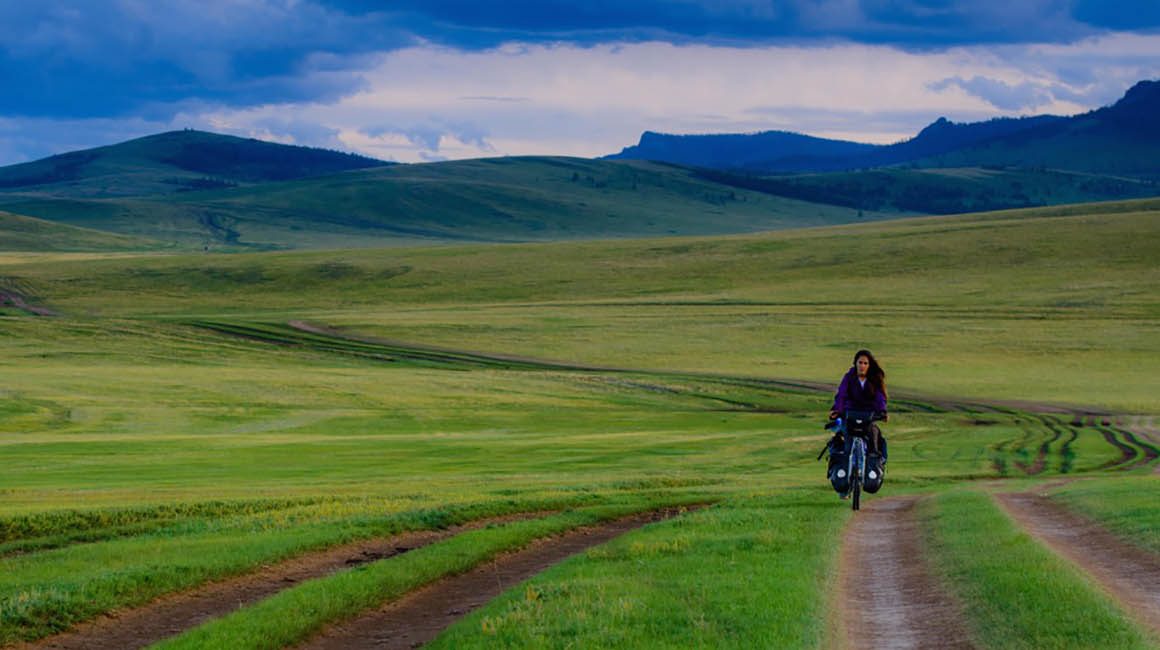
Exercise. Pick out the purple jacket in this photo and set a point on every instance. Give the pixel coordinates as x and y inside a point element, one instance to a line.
<point>852,396</point>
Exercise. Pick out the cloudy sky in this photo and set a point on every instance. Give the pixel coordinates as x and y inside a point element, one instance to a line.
<point>419,80</point>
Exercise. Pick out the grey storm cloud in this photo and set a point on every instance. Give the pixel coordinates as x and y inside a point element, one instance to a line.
<point>94,58</point>
<point>101,58</point>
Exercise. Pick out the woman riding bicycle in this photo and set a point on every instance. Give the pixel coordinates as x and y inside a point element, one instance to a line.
<point>863,388</point>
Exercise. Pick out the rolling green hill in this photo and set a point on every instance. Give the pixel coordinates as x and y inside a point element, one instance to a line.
<point>20,233</point>
<point>498,199</point>
<point>1014,293</point>
<point>176,161</point>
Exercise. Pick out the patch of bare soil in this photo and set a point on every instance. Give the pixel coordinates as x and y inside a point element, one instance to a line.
<point>1129,574</point>
<point>171,615</point>
<point>421,615</point>
<point>888,597</point>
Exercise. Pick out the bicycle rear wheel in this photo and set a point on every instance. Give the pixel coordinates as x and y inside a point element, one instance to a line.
<point>857,494</point>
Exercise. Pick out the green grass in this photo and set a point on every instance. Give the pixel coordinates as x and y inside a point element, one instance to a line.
<point>47,591</point>
<point>751,572</point>
<point>1053,306</point>
<point>170,428</point>
<point>1124,505</point>
<point>295,613</point>
<point>1016,593</point>
<point>20,233</point>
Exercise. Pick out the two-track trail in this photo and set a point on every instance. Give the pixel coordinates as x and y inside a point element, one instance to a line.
<point>1129,574</point>
<point>421,615</point>
<point>888,597</point>
<point>170,615</point>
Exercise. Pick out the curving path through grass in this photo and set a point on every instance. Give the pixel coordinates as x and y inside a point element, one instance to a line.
<point>1130,575</point>
<point>170,615</point>
<point>421,615</point>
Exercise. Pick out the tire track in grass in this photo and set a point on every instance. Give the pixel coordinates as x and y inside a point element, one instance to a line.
<point>1130,575</point>
<point>1148,452</point>
<point>1145,427</point>
<point>421,615</point>
<point>888,598</point>
<point>170,615</point>
<point>1128,453</point>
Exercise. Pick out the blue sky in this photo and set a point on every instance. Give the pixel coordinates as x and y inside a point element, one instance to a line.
<point>415,80</point>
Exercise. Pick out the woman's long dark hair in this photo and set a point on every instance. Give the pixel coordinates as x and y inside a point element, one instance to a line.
<point>875,376</point>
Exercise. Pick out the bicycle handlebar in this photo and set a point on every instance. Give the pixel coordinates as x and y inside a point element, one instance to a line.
<point>873,416</point>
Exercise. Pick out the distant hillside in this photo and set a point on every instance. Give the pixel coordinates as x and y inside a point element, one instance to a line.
<point>766,150</point>
<point>496,199</point>
<point>170,162</point>
<point>943,190</point>
<point>200,190</point>
<point>1120,139</point>
<point>1123,138</point>
<point>20,233</point>
<point>781,152</point>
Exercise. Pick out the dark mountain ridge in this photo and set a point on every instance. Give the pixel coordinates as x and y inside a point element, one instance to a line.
<point>1130,128</point>
<point>738,150</point>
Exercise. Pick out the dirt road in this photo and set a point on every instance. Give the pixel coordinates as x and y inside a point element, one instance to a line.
<point>171,615</point>
<point>888,598</point>
<point>1129,574</point>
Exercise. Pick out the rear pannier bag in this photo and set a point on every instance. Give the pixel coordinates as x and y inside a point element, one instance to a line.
<point>839,468</point>
<point>874,474</point>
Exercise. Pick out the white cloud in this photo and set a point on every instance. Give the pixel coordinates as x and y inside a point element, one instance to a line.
<point>533,99</point>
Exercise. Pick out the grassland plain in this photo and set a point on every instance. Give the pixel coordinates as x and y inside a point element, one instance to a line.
<point>170,428</point>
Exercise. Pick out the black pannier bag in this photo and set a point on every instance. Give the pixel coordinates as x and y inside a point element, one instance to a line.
<point>839,466</point>
<point>874,474</point>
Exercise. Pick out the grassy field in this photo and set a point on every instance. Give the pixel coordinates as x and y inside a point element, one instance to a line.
<point>170,427</point>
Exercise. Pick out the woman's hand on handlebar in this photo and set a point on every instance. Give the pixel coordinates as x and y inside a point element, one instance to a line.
<point>882,416</point>
<point>833,415</point>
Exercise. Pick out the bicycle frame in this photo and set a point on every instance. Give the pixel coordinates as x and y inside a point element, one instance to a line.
<point>857,468</point>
